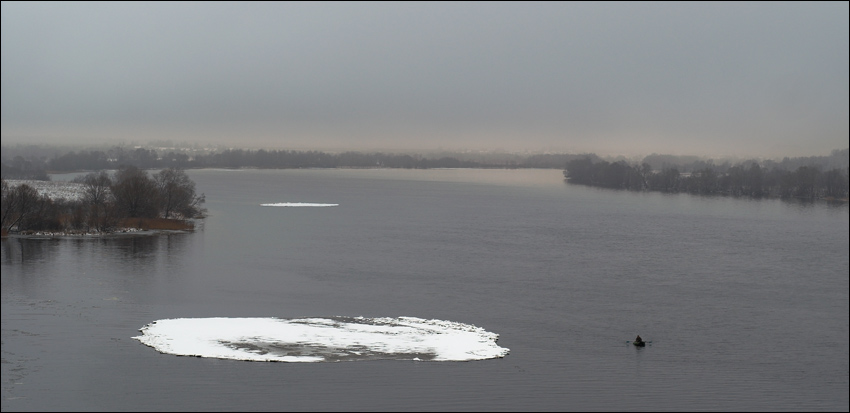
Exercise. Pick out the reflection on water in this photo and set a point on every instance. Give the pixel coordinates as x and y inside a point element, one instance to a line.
<point>23,251</point>
<point>799,204</point>
<point>122,267</point>
<point>138,247</point>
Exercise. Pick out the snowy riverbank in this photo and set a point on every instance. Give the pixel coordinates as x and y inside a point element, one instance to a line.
<point>54,190</point>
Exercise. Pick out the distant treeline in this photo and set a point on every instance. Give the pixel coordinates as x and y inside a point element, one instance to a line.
<point>126,198</point>
<point>33,162</point>
<point>743,179</point>
<point>807,177</point>
<point>34,165</point>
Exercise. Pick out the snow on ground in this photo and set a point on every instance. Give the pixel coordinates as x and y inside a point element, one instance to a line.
<point>298,204</point>
<point>322,339</point>
<point>53,189</point>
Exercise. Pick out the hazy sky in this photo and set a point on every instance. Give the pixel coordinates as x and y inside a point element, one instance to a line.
<point>742,79</point>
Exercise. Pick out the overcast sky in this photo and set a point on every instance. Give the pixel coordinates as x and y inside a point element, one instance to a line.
<point>716,79</point>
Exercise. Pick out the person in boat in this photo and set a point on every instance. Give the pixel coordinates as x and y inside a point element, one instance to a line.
<point>638,341</point>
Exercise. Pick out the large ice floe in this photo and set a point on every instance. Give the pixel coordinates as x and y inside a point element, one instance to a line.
<point>298,204</point>
<point>322,339</point>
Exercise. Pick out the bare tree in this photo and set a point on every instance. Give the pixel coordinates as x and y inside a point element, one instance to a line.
<point>177,194</point>
<point>9,205</point>
<point>97,197</point>
<point>20,205</point>
<point>136,195</point>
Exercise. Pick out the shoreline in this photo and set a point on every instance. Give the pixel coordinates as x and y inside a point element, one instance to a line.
<point>131,227</point>
<point>123,232</point>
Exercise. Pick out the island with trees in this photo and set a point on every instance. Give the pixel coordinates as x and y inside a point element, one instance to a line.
<point>128,199</point>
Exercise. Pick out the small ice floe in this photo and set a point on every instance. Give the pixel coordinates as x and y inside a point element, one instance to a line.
<point>298,204</point>
<point>322,339</point>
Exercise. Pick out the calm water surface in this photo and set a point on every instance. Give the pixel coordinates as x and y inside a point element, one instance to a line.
<point>745,302</point>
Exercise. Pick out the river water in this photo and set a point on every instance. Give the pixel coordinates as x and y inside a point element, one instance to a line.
<point>744,302</point>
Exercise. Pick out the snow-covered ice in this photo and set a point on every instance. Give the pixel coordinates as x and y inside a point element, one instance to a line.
<point>322,339</point>
<point>54,190</point>
<point>298,204</point>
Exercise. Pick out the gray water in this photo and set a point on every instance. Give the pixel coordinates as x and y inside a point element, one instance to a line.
<point>745,302</point>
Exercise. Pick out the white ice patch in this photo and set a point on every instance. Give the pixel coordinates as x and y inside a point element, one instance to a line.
<point>322,339</point>
<point>54,190</point>
<point>298,204</point>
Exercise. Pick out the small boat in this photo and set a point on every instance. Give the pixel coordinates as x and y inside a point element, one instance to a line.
<point>639,342</point>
